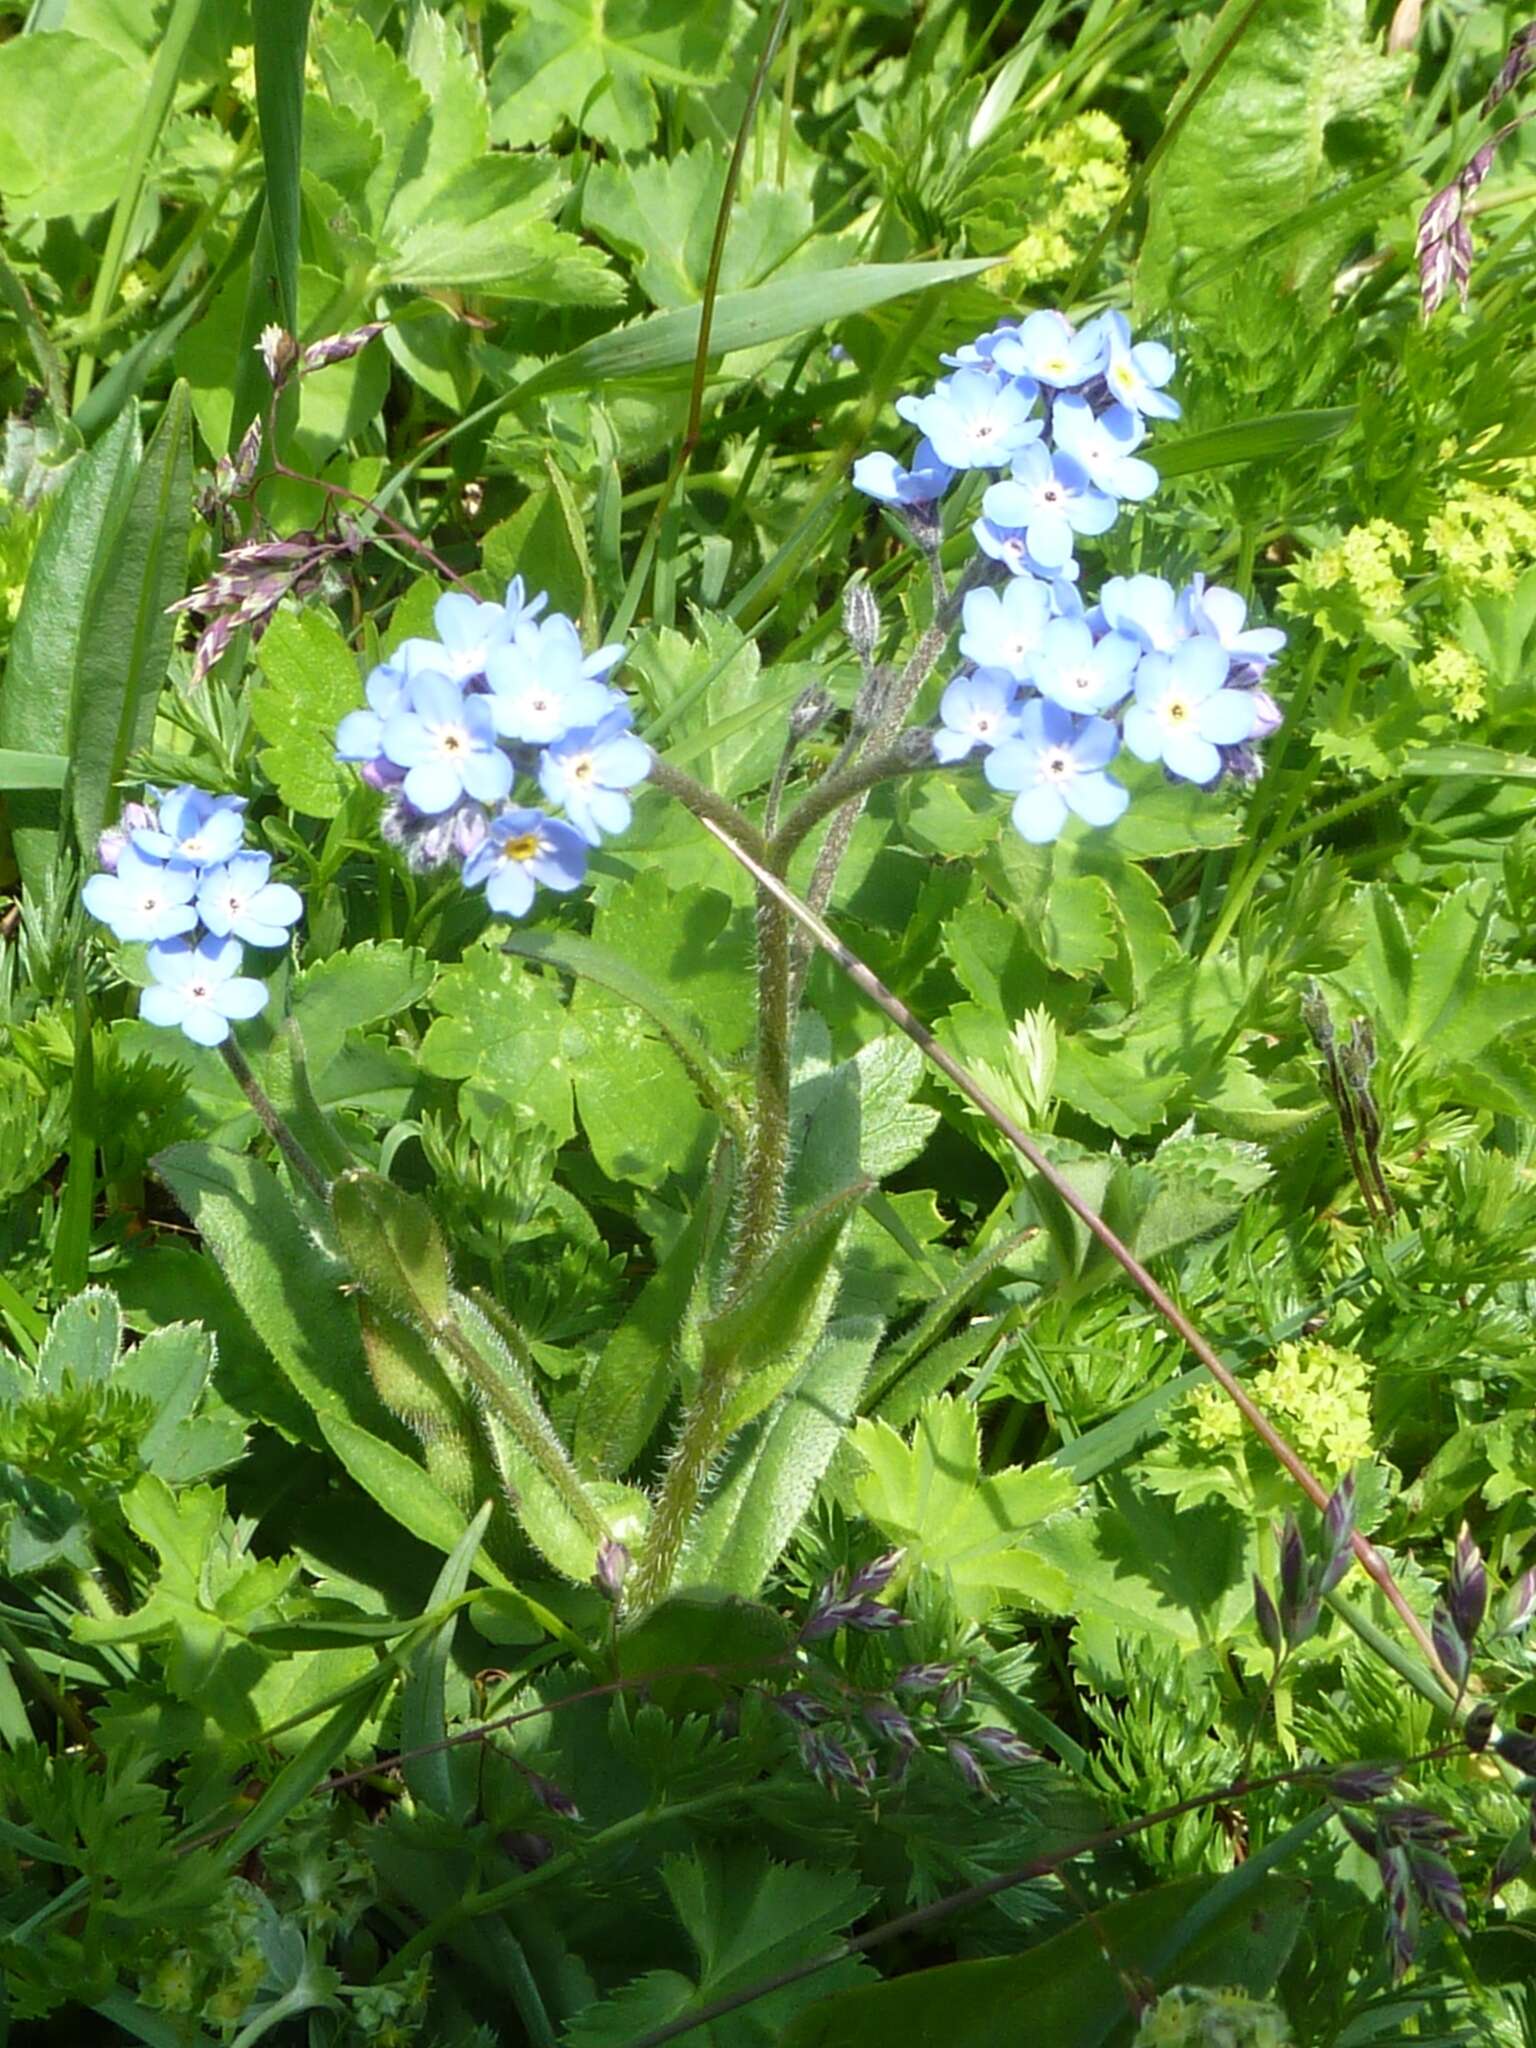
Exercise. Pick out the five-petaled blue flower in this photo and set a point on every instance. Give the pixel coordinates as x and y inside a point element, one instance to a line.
<point>1052,499</point>
<point>1182,713</point>
<point>543,685</point>
<point>1004,628</point>
<point>1104,444</point>
<point>200,989</point>
<point>976,711</point>
<point>522,849</point>
<point>240,900</point>
<point>587,772</point>
<point>145,899</point>
<point>1137,371</point>
<point>975,420</point>
<point>1047,348</point>
<point>446,743</point>
<point>193,826</point>
<point>1081,673</point>
<point>1057,764</point>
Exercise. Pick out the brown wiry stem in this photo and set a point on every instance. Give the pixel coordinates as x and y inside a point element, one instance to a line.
<point>865,979</point>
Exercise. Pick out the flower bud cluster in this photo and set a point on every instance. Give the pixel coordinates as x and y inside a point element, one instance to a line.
<point>481,736</point>
<point>1053,686</point>
<point>176,875</point>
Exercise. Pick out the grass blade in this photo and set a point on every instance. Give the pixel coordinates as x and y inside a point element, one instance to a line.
<point>128,635</point>
<point>281,32</point>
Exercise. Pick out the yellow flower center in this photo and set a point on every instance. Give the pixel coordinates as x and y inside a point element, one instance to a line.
<point>523,847</point>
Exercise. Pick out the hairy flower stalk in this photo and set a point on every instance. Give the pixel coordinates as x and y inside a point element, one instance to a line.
<point>272,1123</point>
<point>688,1469</point>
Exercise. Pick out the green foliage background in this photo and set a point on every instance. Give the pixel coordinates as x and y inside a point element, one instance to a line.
<point>266,1540</point>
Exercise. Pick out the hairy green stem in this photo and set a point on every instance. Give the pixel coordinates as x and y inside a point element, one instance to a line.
<point>767,1154</point>
<point>897,702</point>
<point>704,803</point>
<point>687,1474</point>
<point>519,1408</point>
<point>840,787</point>
<point>278,1131</point>
<point>767,1161</point>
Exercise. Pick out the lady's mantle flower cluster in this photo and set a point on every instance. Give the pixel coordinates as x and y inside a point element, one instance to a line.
<point>1053,686</point>
<point>502,696</point>
<point>177,876</point>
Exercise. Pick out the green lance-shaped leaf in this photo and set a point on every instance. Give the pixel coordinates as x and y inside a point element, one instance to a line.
<point>625,1390</point>
<point>776,1465</point>
<point>419,1385</point>
<point>129,632</point>
<point>424,1703</point>
<point>280,29</point>
<point>36,705</point>
<point>564,1516</point>
<point>748,1354</point>
<point>391,1241</point>
<point>287,1287</point>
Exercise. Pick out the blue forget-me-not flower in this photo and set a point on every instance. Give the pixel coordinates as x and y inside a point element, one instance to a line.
<point>1183,712</point>
<point>1057,763</point>
<point>977,710</point>
<point>199,989</point>
<point>523,848</point>
<point>588,771</point>
<point>1004,628</point>
<point>194,912</point>
<point>445,741</point>
<point>194,827</point>
<point>1059,677</point>
<point>240,900</point>
<point>144,899</point>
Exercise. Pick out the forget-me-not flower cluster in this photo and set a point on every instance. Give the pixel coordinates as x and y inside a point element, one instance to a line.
<point>177,877</point>
<point>1054,686</point>
<point>505,695</point>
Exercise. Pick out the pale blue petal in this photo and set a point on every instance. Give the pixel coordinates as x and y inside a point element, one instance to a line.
<point>1227,718</point>
<point>1143,734</point>
<point>241,997</point>
<point>162,1005</point>
<point>205,1025</point>
<point>1039,814</point>
<point>1098,799</point>
<point>1195,759</point>
<point>487,775</point>
<point>433,786</point>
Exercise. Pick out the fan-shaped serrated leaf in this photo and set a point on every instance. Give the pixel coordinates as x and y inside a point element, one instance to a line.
<point>977,1535</point>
